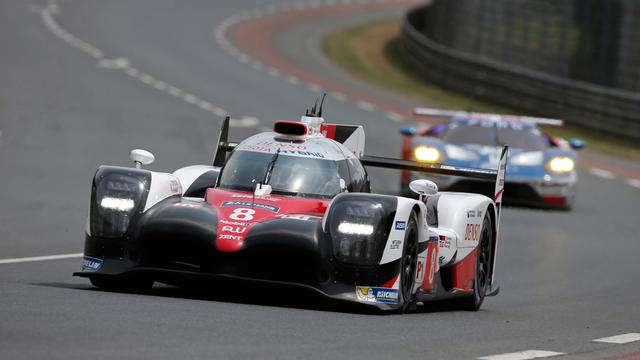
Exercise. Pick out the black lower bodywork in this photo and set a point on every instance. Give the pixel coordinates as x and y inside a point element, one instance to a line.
<point>174,242</point>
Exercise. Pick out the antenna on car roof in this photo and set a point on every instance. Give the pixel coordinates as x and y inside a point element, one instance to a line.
<point>315,111</point>
<point>312,112</point>
<point>321,103</point>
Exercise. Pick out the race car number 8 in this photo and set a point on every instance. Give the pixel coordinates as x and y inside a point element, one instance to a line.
<point>242,214</point>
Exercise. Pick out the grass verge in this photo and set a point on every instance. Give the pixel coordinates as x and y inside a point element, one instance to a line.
<point>370,52</point>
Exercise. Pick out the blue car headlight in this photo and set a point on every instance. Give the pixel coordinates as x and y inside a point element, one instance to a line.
<point>117,196</point>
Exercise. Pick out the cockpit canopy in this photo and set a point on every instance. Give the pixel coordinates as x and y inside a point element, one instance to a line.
<point>315,168</point>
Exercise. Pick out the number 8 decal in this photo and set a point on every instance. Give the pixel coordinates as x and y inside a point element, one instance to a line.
<point>242,214</point>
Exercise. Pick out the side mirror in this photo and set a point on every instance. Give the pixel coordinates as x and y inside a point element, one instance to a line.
<point>423,187</point>
<point>141,157</point>
<point>576,143</point>
<point>408,130</point>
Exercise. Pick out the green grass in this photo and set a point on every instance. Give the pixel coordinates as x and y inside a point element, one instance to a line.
<point>370,52</point>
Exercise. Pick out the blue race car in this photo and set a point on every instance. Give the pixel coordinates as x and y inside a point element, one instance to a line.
<point>541,169</point>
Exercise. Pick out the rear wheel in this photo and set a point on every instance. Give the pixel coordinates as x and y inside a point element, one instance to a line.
<point>409,263</point>
<point>484,256</point>
<point>122,284</point>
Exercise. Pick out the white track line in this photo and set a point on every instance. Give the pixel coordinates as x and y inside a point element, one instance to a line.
<point>620,339</point>
<point>601,173</point>
<point>366,106</point>
<point>40,258</point>
<point>48,14</point>
<point>395,117</point>
<point>634,182</point>
<point>522,355</point>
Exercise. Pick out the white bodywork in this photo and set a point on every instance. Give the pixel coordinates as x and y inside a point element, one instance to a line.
<point>162,186</point>
<point>187,175</point>
<point>460,217</point>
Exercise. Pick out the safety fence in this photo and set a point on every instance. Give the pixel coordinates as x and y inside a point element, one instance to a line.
<point>527,67</point>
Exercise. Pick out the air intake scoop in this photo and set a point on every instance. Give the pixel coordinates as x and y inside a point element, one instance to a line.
<point>291,128</point>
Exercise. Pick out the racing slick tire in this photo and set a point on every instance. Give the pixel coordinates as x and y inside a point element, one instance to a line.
<point>122,284</point>
<point>408,265</point>
<point>483,268</point>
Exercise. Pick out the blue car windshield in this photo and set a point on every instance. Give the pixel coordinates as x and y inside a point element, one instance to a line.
<point>290,175</point>
<point>527,138</point>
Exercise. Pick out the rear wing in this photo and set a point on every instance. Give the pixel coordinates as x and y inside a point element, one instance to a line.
<point>399,164</point>
<point>435,112</point>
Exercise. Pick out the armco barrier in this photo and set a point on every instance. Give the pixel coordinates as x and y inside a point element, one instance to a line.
<point>604,109</point>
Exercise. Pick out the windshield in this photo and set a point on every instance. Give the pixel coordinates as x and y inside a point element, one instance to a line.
<point>291,175</point>
<point>527,139</point>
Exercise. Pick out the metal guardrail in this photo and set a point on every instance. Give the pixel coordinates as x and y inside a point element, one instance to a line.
<point>612,111</point>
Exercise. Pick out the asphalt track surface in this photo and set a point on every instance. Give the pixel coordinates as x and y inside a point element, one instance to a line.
<point>567,277</point>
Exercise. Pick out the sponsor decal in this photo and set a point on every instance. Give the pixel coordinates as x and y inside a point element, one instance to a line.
<point>420,268</point>
<point>251,204</point>
<point>377,295</point>
<point>175,186</point>
<point>474,213</point>
<point>472,232</point>
<point>297,217</point>
<point>432,269</point>
<point>395,244</point>
<point>444,242</point>
<point>231,237</point>
<point>91,264</point>
<point>401,225</point>
<point>441,260</point>
<point>237,223</point>
<point>234,229</point>
<point>303,153</point>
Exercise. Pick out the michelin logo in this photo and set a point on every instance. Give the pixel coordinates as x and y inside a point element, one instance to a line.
<point>376,295</point>
<point>91,264</point>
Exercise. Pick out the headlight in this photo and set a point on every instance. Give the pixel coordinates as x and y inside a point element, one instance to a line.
<point>561,164</point>
<point>529,158</point>
<point>359,228</point>
<point>426,154</point>
<point>117,194</point>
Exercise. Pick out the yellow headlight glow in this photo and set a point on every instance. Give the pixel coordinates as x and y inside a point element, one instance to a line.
<point>426,154</point>
<point>561,164</point>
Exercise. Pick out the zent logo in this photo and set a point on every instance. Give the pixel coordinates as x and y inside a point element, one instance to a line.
<point>242,214</point>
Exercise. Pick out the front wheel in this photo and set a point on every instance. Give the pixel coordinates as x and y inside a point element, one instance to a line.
<point>482,277</point>
<point>408,264</point>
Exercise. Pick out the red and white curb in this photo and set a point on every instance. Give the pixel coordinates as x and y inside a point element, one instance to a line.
<point>221,37</point>
<point>48,13</point>
<point>538,354</point>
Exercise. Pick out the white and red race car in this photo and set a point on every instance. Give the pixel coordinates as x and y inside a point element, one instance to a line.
<point>294,206</point>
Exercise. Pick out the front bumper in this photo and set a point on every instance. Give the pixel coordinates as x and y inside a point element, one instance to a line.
<point>184,265</point>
